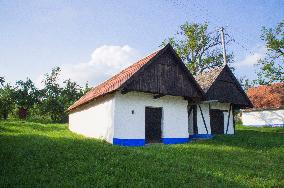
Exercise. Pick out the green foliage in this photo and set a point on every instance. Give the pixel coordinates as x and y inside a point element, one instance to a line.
<point>48,155</point>
<point>57,99</point>
<point>199,49</point>
<point>51,104</point>
<point>2,81</point>
<point>7,103</point>
<point>26,95</point>
<point>271,68</point>
<point>71,92</point>
<point>45,105</point>
<point>36,115</point>
<point>246,83</point>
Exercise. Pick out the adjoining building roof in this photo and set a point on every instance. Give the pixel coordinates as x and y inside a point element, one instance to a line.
<point>113,83</point>
<point>206,79</point>
<point>267,96</point>
<point>221,84</point>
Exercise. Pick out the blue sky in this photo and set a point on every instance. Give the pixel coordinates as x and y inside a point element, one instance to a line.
<point>91,40</point>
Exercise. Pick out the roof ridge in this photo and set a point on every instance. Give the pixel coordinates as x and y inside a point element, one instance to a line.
<point>125,69</point>
<point>268,85</point>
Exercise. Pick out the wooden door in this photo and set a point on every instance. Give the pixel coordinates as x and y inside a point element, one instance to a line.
<point>194,110</point>
<point>216,121</point>
<point>153,122</point>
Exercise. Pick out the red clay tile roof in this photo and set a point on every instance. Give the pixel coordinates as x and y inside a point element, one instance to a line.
<point>206,79</point>
<point>267,97</point>
<point>113,83</point>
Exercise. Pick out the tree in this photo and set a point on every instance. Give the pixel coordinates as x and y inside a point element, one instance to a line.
<point>6,100</point>
<point>2,80</point>
<point>86,89</point>
<point>246,83</point>
<point>69,94</point>
<point>26,95</point>
<point>198,49</point>
<point>271,67</point>
<point>57,99</point>
<point>51,104</point>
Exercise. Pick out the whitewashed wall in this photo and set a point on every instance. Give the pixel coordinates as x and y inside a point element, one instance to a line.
<point>190,123</point>
<point>263,118</point>
<point>225,106</point>
<point>200,124</point>
<point>95,119</point>
<point>132,126</point>
<point>205,110</point>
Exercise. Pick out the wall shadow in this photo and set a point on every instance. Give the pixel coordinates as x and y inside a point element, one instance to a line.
<point>251,139</point>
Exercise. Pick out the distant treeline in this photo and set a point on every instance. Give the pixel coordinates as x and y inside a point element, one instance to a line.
<point>25,101</point>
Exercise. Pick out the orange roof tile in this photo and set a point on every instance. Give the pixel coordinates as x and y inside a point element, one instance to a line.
<point>113,83</point>
<point>267,96</point>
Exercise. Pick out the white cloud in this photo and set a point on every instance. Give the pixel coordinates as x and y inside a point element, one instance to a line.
<point>252,58</point>
<point>105,61</point>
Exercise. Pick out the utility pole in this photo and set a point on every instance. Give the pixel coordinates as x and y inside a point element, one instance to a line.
<point>223,45</point>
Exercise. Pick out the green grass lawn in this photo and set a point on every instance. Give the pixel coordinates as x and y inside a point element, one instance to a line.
<point>33,154</point>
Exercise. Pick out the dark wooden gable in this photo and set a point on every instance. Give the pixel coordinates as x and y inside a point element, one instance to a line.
<point>226,88</point>
<point>165,75</point>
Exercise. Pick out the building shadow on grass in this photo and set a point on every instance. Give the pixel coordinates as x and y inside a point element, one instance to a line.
<point>36,158</point>
<point>81,161</point>
<point>61,161</point>
<point>250,139</point>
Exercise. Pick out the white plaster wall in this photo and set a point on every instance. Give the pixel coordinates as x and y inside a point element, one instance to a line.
<point>263,118</point>
<point>225,106</point>
<point>132,126</point>
<point>200,124</point>
<point>95,119</point>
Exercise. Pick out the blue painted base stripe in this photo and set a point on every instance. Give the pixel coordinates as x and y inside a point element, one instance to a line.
<point>201,136</point>
<point>128,142</point>
<point>175,140</point>
<point>267,125</point>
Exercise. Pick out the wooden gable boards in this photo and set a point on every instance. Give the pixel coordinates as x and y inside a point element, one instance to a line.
<point>226,88</point>
<point>165,74</point>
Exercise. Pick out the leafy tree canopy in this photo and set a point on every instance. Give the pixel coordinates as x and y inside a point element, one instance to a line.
<point>271,68</point>
<point>25,95</point>
<point>57,99</point>
<point>49,103</point>
<point>6,99</point>
<point>2,80</point>
<point>199,49</point>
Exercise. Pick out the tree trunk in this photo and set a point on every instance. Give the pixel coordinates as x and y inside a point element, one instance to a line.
<point>5,115</point>
<point>22,113</point>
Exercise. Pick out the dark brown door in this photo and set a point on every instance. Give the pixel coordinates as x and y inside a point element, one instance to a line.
<point>195,129</point>
<point>217,121</point>
<point>153,121</point>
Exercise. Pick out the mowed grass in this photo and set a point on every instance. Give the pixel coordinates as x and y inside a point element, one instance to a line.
<point>49,155</point>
